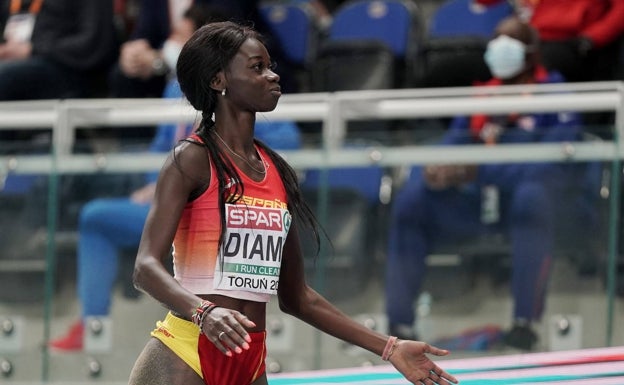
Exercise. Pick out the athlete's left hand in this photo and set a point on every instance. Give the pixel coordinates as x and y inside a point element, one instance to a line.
<point>410,358</point>
<point>226,329</point>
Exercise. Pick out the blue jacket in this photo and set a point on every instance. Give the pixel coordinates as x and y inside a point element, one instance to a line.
<point>527,128</point>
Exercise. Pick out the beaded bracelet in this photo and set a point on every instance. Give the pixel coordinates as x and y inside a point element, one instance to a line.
<point>205,313</point>
<point>389,349</point>
<point>201,311</point>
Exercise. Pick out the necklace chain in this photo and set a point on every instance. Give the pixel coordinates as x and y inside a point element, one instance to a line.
<point>239,156</point>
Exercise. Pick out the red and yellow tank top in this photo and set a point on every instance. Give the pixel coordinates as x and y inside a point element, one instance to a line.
<point>247,264</point>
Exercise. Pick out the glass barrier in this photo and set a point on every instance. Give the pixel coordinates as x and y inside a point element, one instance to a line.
<point>362,167</point>
<point>26,256</point>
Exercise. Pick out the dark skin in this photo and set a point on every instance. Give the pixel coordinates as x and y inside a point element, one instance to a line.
<point>251,86</point>
<point>444,176</point>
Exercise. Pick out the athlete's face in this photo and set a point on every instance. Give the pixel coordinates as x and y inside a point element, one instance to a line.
<point>251,82</point>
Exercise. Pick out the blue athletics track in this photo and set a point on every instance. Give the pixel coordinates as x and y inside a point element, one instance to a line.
<point>603,366</point>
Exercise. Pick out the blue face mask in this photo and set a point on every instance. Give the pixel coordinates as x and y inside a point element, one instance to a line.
<point>505,56</point>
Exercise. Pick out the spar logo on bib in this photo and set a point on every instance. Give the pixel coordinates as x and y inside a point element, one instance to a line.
<point>252,250</point>
<point>255,218</point>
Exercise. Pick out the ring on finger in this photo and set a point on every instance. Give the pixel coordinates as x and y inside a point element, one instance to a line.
<point>221,335</point>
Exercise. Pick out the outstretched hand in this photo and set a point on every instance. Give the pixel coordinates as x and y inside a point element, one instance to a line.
<point>226,329</point>
<point>410,358</point>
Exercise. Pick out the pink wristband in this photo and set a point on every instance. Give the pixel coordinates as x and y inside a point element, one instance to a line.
<point>389,349</point>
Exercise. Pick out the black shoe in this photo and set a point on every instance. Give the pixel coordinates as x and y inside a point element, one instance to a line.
<point>521,337</point>
<point>403,332</point>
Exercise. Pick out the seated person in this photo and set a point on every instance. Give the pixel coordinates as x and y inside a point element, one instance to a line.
<point>583,40</point>
<point>580,38</point>
<point>52,50</point>
<point>142,70</point>
<point>441,204</point>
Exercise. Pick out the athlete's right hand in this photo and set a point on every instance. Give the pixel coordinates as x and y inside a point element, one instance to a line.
<point>410,358</point>
<point>226,329</point>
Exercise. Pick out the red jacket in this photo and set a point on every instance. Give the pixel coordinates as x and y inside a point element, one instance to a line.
<point>600,20</point>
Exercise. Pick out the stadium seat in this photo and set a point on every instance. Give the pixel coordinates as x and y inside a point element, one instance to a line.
<point>354,219</point>
<point>393,22</point>
<point>378,31</point>
<point>365,180</point>
<point>370,44</point>
<point>467,18</point>
<point>297,29</point>
<point>458,34</point>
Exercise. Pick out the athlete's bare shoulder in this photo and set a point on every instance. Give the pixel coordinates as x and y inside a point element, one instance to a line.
<point>190,161</point>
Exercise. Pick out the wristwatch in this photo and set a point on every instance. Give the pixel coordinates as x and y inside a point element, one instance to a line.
<point>159,67</point>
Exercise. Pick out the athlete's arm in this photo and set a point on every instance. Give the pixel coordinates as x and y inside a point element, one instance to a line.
<point>186,173</point>
<point>179,177</point>
<point>298,299</point>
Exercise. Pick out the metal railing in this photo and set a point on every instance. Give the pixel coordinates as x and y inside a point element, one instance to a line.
<point>333,111</point>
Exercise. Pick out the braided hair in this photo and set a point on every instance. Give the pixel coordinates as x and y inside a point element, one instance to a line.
<point>208,51</point>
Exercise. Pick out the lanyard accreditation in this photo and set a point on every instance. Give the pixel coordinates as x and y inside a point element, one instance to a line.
<point>16,6</point>
<point>20,25</point>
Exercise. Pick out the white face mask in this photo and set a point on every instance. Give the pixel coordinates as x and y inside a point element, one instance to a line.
<point>170,53</point>
<point>505,56</point>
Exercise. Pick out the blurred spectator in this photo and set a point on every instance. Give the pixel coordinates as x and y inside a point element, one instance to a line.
<point>580,38</point>
<point>53,49</point>
<point>446,204</point>
<point>143,69</point>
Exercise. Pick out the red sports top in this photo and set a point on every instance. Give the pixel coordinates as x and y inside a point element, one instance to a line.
<point>251,253</point>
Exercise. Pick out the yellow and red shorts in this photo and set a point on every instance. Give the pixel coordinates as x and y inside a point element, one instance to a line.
<point>185,340</point>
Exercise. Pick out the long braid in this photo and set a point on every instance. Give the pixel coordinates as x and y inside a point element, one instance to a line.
<point>296,204</point>
<point>231,187</point>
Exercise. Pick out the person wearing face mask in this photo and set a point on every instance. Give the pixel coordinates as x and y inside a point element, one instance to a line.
<point>449,204</point>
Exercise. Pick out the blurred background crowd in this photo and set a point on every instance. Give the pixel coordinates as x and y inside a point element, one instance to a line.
<point>55,49</point>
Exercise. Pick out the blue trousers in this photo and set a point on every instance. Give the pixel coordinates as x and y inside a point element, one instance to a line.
<point>422,219</point>
<point>106,226</point>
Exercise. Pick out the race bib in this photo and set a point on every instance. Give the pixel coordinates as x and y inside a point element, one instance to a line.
<point>251,254</point>
<point>19,27</point>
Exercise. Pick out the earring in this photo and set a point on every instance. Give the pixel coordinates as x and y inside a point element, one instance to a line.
<point>223,92</point>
